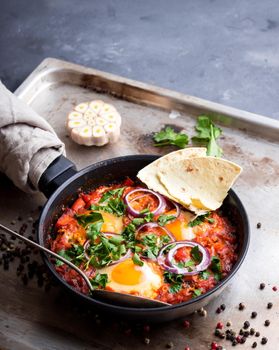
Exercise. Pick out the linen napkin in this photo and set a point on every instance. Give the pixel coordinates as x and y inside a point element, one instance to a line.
<point>28,144</point>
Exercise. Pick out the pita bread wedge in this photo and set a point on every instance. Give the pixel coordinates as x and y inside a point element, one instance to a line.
<point>200,183</point>
<point>149,174</point>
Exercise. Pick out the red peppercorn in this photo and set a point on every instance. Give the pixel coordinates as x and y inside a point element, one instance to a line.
<point>214,345</point>
<point>146,328</point>
<point>219,325</point>
<point>186,324</point>
<point>187,348</point>
<point>274,289</point>
<point>238,339</point>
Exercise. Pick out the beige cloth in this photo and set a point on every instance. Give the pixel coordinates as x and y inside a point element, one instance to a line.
<point>28,144</point>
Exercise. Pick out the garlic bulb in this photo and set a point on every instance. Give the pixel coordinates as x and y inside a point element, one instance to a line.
<point>94,123</point>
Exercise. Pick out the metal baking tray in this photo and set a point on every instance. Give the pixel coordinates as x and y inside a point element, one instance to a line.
<point>31,319</point>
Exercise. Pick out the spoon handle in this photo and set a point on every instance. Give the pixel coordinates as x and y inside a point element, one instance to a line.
<point>38,246</point>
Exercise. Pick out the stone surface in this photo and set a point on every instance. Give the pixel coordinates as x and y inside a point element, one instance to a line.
<point>216,49</point>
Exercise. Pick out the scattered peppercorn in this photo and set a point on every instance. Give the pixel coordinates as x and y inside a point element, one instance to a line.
<point>187,348</point>
<point>229,324</point>
<point>264,340</point>
<point>218,311</point>
<point>186,324</point>
<point>169,345</point>
<point>269,305</point>
<point>254,345</point>
<point>257,334</point>
<point>252,331</point>
<point>254,314</point>
<point>274,289</point>
<point>259,225</point>
<point>238,338</point>
<point>266,323</point>
<point>246,324</point>
<point>219,325</point>
<point>223,307</point>
<point>241,306</point>
<point>241,332</point>
<point>234,342</point>
<point>243,340</point>
<point>262,286</point>
<point>214,345</point>
<point>246,334</point>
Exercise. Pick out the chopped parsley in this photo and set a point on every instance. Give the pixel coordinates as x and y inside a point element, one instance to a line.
<point>196,254</point>
<point>197,292</point>
<point>200,219</point>
<point>152,244</point>
<point>175,281</point>
<point>75,254</point>
<point>168,136</point>
<point>86,219</point>
<point>116,193</point>
<point>137,260</point>
<point>207,134</point>
<point>204,275</point>
<point>165,219</point>
<point>216,267</point>
<point>99,281</point>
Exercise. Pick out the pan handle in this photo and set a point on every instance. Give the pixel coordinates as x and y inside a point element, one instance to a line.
<point>60,170</point>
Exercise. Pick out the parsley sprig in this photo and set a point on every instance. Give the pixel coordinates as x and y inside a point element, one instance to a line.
<point>200,219</point>
<point>168,136</point>
<point>207,134</point>
<point>175,281</point>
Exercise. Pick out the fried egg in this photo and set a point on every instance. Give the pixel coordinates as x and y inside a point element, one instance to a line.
<point>179,227</point>
<point>126,277</point>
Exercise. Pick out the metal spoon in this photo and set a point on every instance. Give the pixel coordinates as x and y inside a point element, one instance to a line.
<point>120,299</point>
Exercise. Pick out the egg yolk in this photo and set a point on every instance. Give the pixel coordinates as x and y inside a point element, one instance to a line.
<point>179,226</point>
<point>111,223</point>
<point>126,273</point>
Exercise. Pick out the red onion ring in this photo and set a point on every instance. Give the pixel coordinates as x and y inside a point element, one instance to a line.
<point>161,205</point>
<point>177,208</point>
<point>108,234</point>
<point>166,262</point>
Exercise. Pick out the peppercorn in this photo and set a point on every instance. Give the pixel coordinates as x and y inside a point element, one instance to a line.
<point>262,286</point>
<point>252,331</point>
<point>246,334</point>
<point>269,305</point>
<point>259,225</point>
<point>254,314</point>
<point>217,332</point>
<point>218,311</point>
<point>229,324</point>
<point>264,340</point>
<point>266,323</point>
<point>257,334</point>
<point>246,324</point>
<point>187,348</point>
<point>238,338</point>
<point>186,324</point>
<point>234,343</point>
<point>220,347</point>
<point>241,332</point>
<point>274,289</point>
<point>243,340</point>
<point>203,313</point>
<point>214,345</point>
<point>169,345</point>
<point>219,325</point>
<point>254,345</point>
<point>222,336</point>
<point>223,307</point>
<point>241,306</point>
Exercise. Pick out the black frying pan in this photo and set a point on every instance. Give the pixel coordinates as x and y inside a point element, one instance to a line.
<point>61,183</point>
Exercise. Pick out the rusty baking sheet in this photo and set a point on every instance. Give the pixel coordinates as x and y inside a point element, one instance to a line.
<point>33,319</point>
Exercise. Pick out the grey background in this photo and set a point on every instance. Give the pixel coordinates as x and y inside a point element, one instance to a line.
<point>224,51</point>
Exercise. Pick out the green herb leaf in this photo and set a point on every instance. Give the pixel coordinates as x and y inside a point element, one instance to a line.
<point>196,254</point>
<point>204,275</point>
<point>216,267</point>
<point>99,281</point>
<point>200,219</point>
<point>75,254</point>
<point>93,230</point>
<point>164,219</point>
<point>207,134</point>
<point>86,219</point>
<point>117,193</point>
<point>175,287</point>
<point>169,137</point>
<point>213,149</point>
<point>175,281</point>
<point>136,260</point>
<point>197,292</point>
